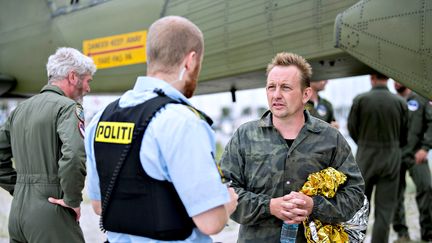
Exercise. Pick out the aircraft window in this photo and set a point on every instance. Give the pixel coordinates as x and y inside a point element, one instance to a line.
<point>60,7</point>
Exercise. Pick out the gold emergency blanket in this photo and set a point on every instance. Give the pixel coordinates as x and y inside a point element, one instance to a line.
<point>325,183</point>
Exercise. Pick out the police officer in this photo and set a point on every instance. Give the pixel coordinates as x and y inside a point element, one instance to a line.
<point>44,135</point>
<point>152,174</point>
<point>378,123</point>
<point>414,159</point>
<point>320,107</point>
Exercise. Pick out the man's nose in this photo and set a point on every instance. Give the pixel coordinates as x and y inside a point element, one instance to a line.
<point>277,92</point>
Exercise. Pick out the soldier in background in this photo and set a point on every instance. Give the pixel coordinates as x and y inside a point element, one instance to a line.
<point>44,135</point>
<point>269,160</point>
<point>320,107</point>
<point>378,123</point>
<point>414,160</point>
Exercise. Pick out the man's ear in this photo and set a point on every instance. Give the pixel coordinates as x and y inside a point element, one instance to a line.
<point>307,94</point>
<point>191,61</point>
<point>72,78</point>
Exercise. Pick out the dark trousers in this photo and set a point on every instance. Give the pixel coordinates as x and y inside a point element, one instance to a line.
<point>421,176</point>
<point>380,168</point>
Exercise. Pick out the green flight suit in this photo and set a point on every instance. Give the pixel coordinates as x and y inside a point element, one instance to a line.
<point>43,136</point>
<point>322,110</point>
<point>419,137</point>
<point>378,123</point>
<point>262,166</point>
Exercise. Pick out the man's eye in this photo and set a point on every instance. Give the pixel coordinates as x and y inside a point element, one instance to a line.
<point>270,87</point>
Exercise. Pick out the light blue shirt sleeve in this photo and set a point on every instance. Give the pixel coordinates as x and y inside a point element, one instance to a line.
<point>185,145</point>
<point>93,188</point>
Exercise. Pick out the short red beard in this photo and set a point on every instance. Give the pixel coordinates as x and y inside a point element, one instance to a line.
<point>190,85</point>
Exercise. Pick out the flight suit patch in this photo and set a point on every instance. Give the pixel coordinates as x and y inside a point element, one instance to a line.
<point>413,105</point>
<point>81,128</point>
<point>322,110</point>
<point>79,112</point>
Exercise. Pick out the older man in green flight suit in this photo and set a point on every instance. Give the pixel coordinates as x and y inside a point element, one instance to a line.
<point>43,135</point>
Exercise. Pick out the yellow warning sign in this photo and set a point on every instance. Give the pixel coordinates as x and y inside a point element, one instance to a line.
<point>117,50</point>
<point>114,132</point>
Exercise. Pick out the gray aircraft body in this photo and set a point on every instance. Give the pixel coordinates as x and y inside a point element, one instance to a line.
<point>340,38</point>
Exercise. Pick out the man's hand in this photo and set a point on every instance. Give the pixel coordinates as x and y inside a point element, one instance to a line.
<point>296,207</point>
<point>97,206</point>
<point>291,206</point>
<point>232,204</point>
<point>421,156</point>
<point>276,208</point>
<point>63,204</point>
<point>334,124</point>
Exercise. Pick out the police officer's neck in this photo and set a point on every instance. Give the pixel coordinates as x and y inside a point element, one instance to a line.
<point>171,78</point>
<point>162,75</point>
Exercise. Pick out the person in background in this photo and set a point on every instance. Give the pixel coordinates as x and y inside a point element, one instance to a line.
<point>150,154</point>
<point>320,107</point>
<point>44,138</point>
<point>378,123</point>
<point>269,160</point>
<point>414,160</point>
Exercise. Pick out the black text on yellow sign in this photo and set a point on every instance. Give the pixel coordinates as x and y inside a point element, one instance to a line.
<point>114,132</point>
<point>117,50</point>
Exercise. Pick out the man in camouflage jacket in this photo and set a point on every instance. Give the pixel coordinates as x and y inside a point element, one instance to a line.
<point>269,160</point>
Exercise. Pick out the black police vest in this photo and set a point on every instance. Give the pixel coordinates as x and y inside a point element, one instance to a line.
<point>137,204</point>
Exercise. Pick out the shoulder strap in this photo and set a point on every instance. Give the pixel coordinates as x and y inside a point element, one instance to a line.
<point>197,112</point>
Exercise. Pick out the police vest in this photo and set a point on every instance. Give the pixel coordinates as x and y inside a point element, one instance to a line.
<point>138,204</point>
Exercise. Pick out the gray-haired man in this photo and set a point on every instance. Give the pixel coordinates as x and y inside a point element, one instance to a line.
<point>44,136</point>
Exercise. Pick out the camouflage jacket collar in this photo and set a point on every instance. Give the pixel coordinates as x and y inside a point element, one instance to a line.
<point>311,124</point>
